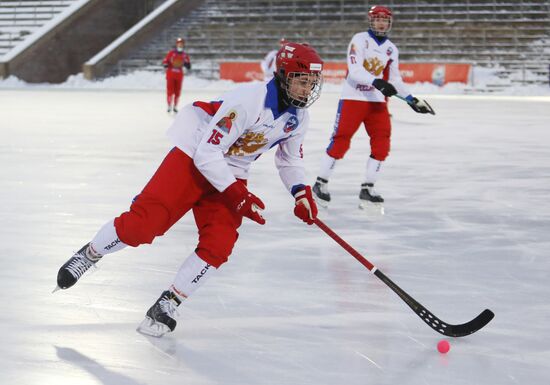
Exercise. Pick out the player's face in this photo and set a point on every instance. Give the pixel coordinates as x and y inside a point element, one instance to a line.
<point>301,85</point>
<point>304,88</point>
<point>381,24</point>
<point>179,46</point>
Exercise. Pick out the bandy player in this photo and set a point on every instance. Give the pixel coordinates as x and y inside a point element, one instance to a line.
<point>206,171</point>
<point>373,75</point>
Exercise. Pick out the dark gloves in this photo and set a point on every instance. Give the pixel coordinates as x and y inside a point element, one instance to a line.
<point>385,87</point>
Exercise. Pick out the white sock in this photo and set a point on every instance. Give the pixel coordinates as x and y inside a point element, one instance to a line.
<point>327,166</point>
<point>191,275</point>
<point>106,240</point>
<point>373,170</point>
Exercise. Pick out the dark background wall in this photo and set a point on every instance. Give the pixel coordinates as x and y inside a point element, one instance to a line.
<point>62,51</point>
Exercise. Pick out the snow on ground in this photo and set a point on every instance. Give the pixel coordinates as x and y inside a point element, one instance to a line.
<point>145,80</point>
<point>466,227</point>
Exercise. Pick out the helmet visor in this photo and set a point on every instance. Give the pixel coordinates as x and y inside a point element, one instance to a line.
<point>303,88</point>
<point>380,24</point>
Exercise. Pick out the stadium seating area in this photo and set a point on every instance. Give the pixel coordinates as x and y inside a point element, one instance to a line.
<point>483,32</point>
<point>508,34</point>
<point>19,19</point>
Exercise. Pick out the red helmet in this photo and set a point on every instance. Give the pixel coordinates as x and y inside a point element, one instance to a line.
<point>379,12</point>
<point>299,69</point>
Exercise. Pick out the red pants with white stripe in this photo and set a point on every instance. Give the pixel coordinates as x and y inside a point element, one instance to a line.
<point>350,115</point>
<point>175,188</point>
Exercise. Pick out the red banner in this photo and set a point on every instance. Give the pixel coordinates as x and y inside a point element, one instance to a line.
<point>436,73</point>
<point>241,71</point>
<point>335,72</point>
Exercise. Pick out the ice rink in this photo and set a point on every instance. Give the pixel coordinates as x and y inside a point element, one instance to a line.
<point>466,228</point>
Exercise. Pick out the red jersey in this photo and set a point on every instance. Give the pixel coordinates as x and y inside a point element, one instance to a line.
<point>175,61</point>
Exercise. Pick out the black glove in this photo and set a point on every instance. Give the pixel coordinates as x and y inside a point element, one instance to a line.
<point>421,106</point>
<point>187,65</point>
<point>385,87</point>
<point>165,65</point>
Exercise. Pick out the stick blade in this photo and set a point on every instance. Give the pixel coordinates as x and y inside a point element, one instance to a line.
<point>430,109</point>
<point>470,327</point>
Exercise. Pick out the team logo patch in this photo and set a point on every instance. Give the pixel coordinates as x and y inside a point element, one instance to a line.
<point>226,122</point>
<point>291,124</point>
<point>352,51</point>
<point>389,51</point>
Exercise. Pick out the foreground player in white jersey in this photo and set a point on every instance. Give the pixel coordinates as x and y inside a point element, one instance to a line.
<point>206,171</point>
<point>373,75</point>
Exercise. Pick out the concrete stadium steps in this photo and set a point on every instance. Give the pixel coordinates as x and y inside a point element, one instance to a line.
<point>476,31</point>
<point>21,18</point>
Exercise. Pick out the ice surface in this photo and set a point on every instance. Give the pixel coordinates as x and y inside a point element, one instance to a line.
<point>466,227</point>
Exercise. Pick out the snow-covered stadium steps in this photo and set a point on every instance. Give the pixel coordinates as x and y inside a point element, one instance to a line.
<point>19,19</point>
<point>478,31</point>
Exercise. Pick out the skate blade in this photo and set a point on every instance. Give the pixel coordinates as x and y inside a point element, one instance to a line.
<point>371,208</point>
<point>150,327</point>
<point>56,289</point>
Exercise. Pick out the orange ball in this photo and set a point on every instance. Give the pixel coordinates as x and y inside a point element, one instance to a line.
<point>443,346</point>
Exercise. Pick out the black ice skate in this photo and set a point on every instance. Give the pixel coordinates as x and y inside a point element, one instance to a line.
<point>159,319</point>
<point>368,198</point>
<point>76,266</point>
<point>320,192</point>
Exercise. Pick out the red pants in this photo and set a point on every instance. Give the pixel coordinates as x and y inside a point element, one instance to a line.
<point>350,115</point>
<point>175,188</point>
<point>173,86</point>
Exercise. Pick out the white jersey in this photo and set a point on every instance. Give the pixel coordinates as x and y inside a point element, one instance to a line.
<point>224,137</point>
<point>269,64</point>
<point>368,60</point>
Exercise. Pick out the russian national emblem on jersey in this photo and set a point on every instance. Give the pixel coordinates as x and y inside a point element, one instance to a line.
<point>248,144</point>
<point>374,65</point>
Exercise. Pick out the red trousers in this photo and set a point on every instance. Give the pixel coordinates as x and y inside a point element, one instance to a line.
<point>350,115</point>
<point>175,188</point>
<point>173,86</point>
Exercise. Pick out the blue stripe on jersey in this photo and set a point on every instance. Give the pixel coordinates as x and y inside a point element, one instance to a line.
<point>280,140</point>
<point>336,124</point>
<point>272,101</point>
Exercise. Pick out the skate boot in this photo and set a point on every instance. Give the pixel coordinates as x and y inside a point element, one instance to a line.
<point>169,109</point>
<point>320,192</point>
<point>369,198</point>
<point>159,319</point>
<point>175,110</point>
<point>76,266</point>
